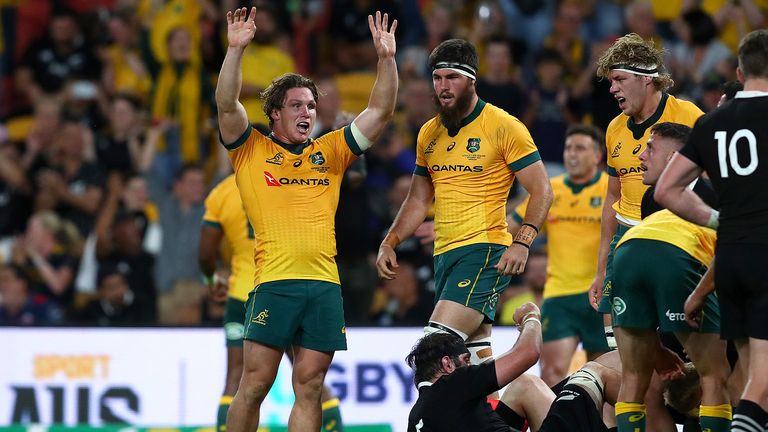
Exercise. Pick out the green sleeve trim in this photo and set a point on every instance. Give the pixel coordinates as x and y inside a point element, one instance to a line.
<point>525,161</point>
<point>421,171</point>
<point>612,171</point>
<point>350,138</point>
<point>212,224</point>
<point>517,218</point>
<point>238,142</point>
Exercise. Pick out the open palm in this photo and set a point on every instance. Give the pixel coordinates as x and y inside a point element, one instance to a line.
<point>241,27</point>
<point>383,38</point>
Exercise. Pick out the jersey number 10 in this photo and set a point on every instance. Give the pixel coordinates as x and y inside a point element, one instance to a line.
<point>732,152</point>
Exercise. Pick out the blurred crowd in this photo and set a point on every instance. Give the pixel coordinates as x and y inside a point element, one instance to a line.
<point>109,144</point>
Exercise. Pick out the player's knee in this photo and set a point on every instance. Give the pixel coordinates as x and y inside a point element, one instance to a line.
<point>253,390</point>
<point>310,389</point>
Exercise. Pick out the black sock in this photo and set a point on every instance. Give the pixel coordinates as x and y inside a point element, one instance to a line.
<point>748,417</point>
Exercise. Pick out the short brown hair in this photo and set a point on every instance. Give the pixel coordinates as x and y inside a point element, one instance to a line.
<point>591,131</point>
<point>753,54</point>
<point>274,95</point>
<point>633,49</point>
<point>684,394</point>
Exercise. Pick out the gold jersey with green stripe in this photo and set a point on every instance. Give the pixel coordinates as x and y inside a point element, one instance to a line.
<point>224,210</point>
<point>664,226</point>
<point>573,233</point>
<point>472,170</point>
<point>625,140</point>
<point>290,193</point>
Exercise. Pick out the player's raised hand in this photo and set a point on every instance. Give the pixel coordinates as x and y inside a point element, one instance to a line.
<point>241,26</point>
<point>383,35</point>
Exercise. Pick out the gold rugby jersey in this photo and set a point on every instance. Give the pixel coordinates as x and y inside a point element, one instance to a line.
<point>573,233</point>
<point>472,170</point>
<point>224,210</point>
<point>290,193</point>
<point>625,140</point>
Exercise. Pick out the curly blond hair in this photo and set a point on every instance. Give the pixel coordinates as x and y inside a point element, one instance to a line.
<point>633,49</point>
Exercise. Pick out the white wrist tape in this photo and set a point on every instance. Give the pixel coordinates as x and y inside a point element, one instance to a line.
<point>714,219</point>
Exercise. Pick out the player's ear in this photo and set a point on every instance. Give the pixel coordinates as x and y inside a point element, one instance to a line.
<point>275,114</point>
<point>446,364</point>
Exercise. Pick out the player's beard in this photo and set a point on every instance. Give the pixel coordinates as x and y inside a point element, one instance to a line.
<point>452,116</point>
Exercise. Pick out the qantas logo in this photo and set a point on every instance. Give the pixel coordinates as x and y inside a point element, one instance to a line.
<point>271,180</point>
<point>460,168</point>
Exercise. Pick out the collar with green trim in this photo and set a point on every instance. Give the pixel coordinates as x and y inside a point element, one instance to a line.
<point>578,187</point>
<point>638,130</point>
<point>468,119</point>
<point>293,148</point>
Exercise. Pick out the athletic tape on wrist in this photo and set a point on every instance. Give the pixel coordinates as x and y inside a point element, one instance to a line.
<point>714,219</point>
<point>526,235</point>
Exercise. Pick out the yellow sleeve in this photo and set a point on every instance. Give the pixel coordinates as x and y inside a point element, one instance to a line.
<point>213,207</point>
<point>516,144</point>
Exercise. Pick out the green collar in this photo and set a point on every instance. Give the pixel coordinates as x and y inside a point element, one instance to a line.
<point>293,148</point>
<point>468,119</point>
<point>578,187</point>
<point>638,130</point>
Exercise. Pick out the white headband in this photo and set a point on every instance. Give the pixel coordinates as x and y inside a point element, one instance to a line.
<point>460,68</point>
<point>644,70</point>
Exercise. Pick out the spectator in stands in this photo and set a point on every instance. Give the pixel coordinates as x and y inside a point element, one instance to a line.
<point>698,53</point>
<point>47,253</point>
<point>416,108</point>
<point>69,183</point>
<point>181,211</point>
<point>565,38</point>
<point>182,90</point>
<point>551,109</point>
<point>440,24</point>
<point>15,191</point>
<point>20,307</point>
<point>59,58</point>
<point>498,84</point>
<point>46,124</point>
<point>119,239</point>
<point>118,147</point>
<point>115,303</point>
<point>124,70</point>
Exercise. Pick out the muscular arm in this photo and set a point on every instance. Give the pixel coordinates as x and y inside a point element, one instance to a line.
<point>672,191</point>
<point>525,353</point>
<point>233,120</point>
<point>381,104</point>
<point>411,214</point>
<point>534,180</point>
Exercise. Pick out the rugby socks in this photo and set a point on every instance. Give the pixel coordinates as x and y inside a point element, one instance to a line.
<point>749,417</point>
<point>715,418</point>
<point>332,416</point>
<point>630,417</point>
<point>221,415</point>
